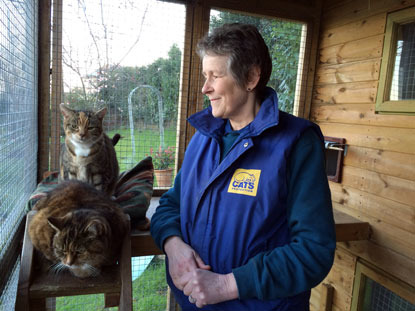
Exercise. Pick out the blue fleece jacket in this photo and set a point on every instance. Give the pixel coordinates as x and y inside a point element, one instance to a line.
<point>261,210</point>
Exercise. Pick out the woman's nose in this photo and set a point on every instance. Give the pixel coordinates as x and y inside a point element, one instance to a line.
<point>207,87</point>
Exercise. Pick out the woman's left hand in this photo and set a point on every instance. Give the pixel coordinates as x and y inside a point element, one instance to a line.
<point>207,287</point>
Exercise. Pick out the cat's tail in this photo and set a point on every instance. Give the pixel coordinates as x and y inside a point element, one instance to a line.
<point>115,139</point>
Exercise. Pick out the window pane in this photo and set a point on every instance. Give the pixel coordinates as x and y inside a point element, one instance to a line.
<point>284,40</point>
<point>403,79</point>
<point>126,56</point>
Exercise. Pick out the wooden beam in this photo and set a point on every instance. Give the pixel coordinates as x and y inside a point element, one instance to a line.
<point>293,10</point>
<point>326,297</point>
<point>57,83</point>
<point>349,228</point>
<point>43,87</point>
<point>25,273</point>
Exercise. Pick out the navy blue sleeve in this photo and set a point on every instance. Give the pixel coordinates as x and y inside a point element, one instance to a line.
<point>165,222</point>
<point>306,260</point>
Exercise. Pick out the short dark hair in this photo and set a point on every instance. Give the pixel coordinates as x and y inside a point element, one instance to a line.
<point>244,46</point>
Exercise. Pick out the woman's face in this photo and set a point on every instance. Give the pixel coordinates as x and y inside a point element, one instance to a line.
<point>227,98</point>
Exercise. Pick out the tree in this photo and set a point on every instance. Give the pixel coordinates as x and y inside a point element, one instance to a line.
<point>115,84</point>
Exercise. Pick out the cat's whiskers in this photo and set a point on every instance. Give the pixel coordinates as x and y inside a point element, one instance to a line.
<point>57,268</point>
<point>92,270</point>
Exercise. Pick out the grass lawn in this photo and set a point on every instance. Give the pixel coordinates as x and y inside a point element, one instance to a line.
<point>149,293</point>
<point>144,141</point>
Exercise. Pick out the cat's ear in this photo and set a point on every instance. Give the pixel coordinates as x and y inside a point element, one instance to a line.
<point>66,112</point>
<point>101,113</point>
<point>96,227</point>
<point>56,223</point>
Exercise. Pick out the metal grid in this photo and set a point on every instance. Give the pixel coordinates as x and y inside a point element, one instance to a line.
<point>379,298</point>
<point>8,297</point>
<point>403,80</point>
<point>18,121</point>
<point>126,56</point>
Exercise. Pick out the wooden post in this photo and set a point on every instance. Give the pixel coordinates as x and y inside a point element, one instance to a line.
<point>43,87</point>
<point>326,297</point>
<point>57,83</point>
<point>191,100</point>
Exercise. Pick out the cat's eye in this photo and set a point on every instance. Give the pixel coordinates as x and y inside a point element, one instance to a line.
<point>74,126</point>
<point>91,128</point>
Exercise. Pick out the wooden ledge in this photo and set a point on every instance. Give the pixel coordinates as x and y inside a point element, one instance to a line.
<point>348,228</point>
<point>142,244</point>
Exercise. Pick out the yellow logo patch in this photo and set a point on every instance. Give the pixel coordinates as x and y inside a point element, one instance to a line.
<point>245,182</point>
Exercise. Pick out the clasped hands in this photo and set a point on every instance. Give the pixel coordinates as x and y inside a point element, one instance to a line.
<point>191,275</point>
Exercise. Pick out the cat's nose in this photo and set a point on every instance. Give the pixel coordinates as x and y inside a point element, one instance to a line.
<point>69,260</point>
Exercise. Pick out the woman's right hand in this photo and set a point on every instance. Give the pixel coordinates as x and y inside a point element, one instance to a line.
<point>182,261</point>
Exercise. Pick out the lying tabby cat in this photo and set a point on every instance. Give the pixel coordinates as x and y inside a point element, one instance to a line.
<point>88,153</point>
<point>78,228</point>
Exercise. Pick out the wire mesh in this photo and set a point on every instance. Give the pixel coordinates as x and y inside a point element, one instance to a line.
<point>379,298</point>
<point>126,56</point>
<point>403,78</point>
<point>18,121</point>
<point>8,296</point>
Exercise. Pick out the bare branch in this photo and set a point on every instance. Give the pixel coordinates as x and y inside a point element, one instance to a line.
<point>136,41</point>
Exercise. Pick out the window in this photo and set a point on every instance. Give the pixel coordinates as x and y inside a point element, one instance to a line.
<point>396,92</point>
<point>376,291</point>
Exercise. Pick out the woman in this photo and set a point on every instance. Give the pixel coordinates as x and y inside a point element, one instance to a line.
<point>248,224</point>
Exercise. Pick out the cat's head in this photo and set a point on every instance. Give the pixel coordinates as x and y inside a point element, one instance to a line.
<point>82,242</point>
<point>82,126</point>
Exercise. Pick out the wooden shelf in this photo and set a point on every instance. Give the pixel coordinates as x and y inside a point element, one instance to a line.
<point>348,228</point>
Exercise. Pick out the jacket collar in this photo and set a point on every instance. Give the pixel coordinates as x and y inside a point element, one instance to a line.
<point>268,116</point>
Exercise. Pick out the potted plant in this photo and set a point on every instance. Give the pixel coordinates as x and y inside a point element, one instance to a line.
<point>163,158</point>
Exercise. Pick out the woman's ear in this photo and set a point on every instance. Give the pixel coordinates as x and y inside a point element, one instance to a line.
<point>254,76</point>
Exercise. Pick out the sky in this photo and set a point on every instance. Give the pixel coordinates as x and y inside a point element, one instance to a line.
<point>126,32</point>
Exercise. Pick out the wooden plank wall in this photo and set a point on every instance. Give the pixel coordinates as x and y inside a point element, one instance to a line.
<point>378,183</point>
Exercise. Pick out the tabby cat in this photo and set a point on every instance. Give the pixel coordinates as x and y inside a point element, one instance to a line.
<point>88,153</point>
<point>78,228</point>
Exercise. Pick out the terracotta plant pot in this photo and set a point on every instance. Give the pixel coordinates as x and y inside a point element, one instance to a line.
<point>164,177</point>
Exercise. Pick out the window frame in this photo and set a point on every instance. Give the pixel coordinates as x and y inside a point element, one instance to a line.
<point>365,270</point>
<point>383,105</point>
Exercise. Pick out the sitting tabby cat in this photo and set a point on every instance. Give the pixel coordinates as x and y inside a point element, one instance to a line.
<point>78,228</point>
<point>88,153</point>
